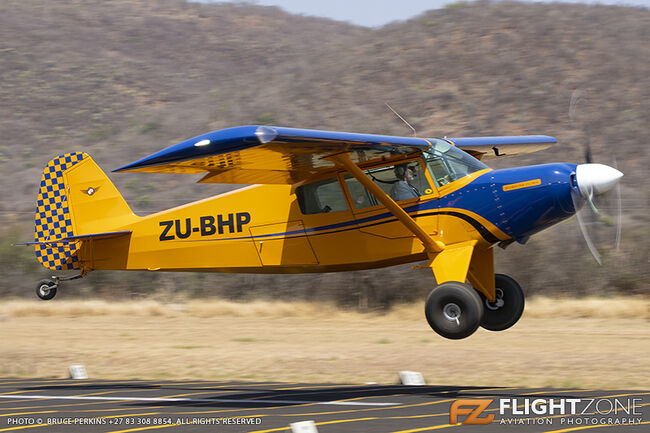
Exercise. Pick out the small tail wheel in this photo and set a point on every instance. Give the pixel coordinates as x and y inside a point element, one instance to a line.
<point>454,310</point>
<point>506,310</point>
<point>46,289</point>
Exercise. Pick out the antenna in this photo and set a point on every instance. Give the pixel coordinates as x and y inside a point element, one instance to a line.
<point>402,119</point>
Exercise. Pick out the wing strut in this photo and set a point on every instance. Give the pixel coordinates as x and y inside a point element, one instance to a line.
<point>431,245</point>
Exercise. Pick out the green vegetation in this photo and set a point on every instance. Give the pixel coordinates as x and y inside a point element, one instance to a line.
<point>188,347</point>
<point>150,127</point>
<point>266,119</point>
<point>456,5</point>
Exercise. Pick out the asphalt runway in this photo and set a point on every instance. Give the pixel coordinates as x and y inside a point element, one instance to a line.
<point>64,405</point>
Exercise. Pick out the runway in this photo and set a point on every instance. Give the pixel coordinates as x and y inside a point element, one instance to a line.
<point>63,405</point>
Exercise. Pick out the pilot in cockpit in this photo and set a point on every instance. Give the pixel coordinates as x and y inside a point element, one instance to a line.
<point>403,189</point>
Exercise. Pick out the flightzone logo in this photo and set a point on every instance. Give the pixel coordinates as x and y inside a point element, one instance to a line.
<point>565,411</point>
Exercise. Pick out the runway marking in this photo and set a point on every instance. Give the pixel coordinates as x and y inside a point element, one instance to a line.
<point>305,404</point>
<point>274,407</point>
<point>623,395</point>
<point>318,423</point>
<point>26,413</point>
<point>435,427</point>
<point>340,421</point>
<point>70,382</point>
<point>189,383</point>
<point>20,399</point>
<point>220,411</point>
<point>342,386</point>
<point>214,388</point>
<point>485,389</point>
<point>585,427</point>
<point>171,385</point>
<point>199,400</point>
<point>548,391</point>
<point>64,405</point>
<point>109,392</point>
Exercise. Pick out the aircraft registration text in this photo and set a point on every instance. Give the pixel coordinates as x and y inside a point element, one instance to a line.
<point>207,226</point>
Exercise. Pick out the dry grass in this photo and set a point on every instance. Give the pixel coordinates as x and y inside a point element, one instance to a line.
<point>538,307</point>
<point>596,343</point>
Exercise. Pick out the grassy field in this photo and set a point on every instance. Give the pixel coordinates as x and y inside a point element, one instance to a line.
<point>592,343</point>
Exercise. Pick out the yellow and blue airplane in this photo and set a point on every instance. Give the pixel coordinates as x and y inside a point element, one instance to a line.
<point>323,201</point>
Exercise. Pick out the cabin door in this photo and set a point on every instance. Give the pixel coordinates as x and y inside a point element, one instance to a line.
<point>283,244</point>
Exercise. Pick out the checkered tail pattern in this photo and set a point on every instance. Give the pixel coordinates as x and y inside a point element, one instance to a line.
<point>53,219</point>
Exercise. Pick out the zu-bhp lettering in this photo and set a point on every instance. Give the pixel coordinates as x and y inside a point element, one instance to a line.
<point>207,225</point>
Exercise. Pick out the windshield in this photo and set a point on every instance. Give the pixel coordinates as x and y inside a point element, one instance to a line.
<point>447,163</point>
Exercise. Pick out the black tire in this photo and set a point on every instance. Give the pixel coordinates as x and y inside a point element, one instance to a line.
<point>509,306</point>
<point>46,289</point>
<point>454,299</point>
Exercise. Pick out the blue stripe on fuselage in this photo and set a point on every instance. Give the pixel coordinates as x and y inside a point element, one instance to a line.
<point>517,213</point>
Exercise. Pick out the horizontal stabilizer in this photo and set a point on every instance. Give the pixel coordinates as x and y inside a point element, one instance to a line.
<point>79,238</point>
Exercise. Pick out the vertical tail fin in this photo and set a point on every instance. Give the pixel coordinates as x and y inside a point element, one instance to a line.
<point>75,198</point>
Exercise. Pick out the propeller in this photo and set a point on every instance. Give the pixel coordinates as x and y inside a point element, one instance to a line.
<point>595,183</point>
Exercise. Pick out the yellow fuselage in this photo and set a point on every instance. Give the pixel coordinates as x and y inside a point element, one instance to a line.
<point>261,229</point>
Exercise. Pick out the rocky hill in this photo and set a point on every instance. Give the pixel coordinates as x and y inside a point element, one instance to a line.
<point>120,79</point>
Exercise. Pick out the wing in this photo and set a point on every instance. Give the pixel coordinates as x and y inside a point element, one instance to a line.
<point>264,154</point>
<point>496,147</point>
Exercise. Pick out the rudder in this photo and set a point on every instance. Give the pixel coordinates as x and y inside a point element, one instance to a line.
<point>75,198</point>
<point>53,219</point>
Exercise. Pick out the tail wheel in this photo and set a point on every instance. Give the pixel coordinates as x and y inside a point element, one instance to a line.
<point>454,310</point>
<point>46,289</point>
<point>508,307</point>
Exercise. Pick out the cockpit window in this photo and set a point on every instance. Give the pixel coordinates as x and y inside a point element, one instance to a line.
<point>321,197</point>
<point>447,163</point>
<point>401,182</point>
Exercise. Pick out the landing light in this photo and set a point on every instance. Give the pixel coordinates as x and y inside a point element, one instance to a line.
<point>202,143</point>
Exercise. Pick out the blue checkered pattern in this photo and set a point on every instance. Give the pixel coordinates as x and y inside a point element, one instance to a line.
<point>53,215</point>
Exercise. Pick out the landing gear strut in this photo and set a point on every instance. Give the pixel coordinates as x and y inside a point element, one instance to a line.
<point>454,310</point>
<point>46,289</point>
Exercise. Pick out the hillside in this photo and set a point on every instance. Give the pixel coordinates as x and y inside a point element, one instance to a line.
<point>121,79</point>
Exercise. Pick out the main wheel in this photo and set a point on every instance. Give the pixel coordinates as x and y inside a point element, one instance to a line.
<point>454,310</point>
<point>508,307</point>
<point>46,289</point>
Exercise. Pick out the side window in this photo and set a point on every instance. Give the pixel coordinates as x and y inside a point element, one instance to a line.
<point>438,169</point>
<point>321,197</point>
<point>400,182</point>
<point>361,197</point>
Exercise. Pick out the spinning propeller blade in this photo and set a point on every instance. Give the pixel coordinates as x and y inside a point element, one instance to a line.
<point>585,234</point>
<point>619,216</point>
<point>594,181</point>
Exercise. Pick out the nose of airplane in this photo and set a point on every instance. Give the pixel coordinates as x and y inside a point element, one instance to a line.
<point>596,178</point>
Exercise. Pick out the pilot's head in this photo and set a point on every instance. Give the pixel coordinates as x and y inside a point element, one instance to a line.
<point>404,172</point>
